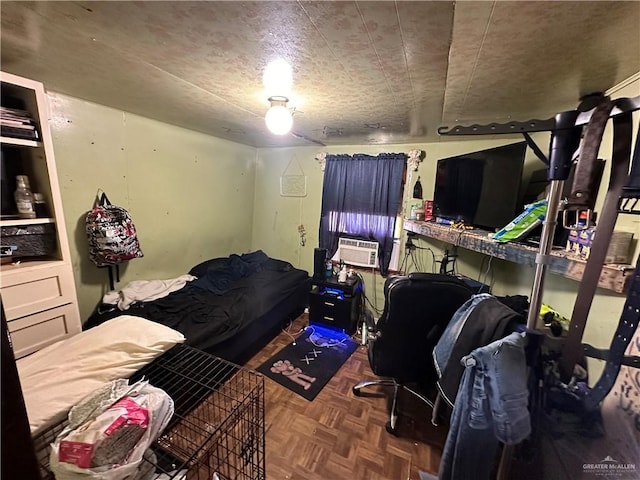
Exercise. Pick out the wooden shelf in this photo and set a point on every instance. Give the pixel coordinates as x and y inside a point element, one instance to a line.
<point>613,277</point>
<point>17,222</point>
<point>20,142</point>
<point>38,293</point>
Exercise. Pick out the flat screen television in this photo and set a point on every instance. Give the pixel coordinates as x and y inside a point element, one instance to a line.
<point>481,188</point>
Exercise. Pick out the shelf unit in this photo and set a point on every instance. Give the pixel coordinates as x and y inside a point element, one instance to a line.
<point>38,293</point>
<point>613,276</point>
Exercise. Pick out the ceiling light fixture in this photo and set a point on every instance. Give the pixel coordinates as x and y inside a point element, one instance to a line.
<point>278,118</point>
<point>277,81</point>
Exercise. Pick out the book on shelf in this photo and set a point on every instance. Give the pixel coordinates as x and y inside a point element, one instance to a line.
<point>11,123</point>
<point>17,123</point>
<point>17,132</point>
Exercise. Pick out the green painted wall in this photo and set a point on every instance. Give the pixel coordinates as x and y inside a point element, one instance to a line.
<point>195,197</point>
<point>276,218</point>
<point>276,221</point>
<point>190,195</point>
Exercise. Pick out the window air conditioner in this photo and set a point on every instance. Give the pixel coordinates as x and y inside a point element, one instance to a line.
<point>357,252</point>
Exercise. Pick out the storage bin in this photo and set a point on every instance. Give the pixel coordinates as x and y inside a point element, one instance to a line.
<point>37,240</point>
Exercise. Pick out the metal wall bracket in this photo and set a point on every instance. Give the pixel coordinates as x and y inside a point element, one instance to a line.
<point>622,105</point>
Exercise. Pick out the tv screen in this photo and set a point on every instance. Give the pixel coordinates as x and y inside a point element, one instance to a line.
<point>481,188</point>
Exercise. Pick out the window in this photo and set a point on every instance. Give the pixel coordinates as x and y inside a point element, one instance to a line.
<point>361,198</point>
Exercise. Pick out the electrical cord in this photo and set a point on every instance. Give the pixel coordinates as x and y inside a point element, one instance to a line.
<point>316,339</point>
<point>401,270</point>
<point>486,273</point>
<point>294,336</point>
<point>416,262</point>
<point>375,290</point>
<point>446,260</point>
<point>433,258</point>
<point>373,307</point>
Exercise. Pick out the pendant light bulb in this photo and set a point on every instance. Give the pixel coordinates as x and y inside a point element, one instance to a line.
<point>278,118</point>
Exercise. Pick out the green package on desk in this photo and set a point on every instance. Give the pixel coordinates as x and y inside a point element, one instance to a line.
<point>520,226</point>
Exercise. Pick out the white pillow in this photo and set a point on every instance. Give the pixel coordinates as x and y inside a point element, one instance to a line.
<point>56,377</point>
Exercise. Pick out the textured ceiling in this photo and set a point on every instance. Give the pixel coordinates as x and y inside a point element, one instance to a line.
<point>363,72</point>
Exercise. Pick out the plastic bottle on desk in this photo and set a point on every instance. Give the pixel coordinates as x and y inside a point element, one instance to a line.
<point>24,198</point>
<point>328,271</point>
<point>342,276</point>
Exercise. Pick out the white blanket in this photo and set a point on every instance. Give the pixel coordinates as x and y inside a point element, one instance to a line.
<point>145,291</point>
<point>58,376</point>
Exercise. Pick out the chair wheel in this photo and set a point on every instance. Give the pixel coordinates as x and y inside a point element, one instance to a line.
<point>356,391</point>
<point>391,430</point>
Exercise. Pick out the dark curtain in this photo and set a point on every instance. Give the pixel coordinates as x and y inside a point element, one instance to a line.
<point>361,197</point>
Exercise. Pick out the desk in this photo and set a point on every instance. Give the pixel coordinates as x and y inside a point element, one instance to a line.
<point>336,305</point>
<point>613,277</point>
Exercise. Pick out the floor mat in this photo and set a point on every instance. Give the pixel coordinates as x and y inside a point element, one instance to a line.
<point>306,365</point>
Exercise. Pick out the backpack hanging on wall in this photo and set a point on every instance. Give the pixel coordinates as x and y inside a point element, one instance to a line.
<point>111,233</point>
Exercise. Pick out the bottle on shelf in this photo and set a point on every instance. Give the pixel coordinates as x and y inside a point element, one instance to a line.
<point>24,198</point>
<point>40,205</point>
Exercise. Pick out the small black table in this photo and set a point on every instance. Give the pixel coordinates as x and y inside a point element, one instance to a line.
<point>334,304</point>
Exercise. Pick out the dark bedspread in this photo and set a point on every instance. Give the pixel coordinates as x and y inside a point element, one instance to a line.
<point>225,298</point>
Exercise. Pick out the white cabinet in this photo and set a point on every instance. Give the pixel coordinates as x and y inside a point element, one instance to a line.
<point>38,290</point>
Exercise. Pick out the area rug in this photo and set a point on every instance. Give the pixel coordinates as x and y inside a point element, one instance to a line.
<point>306,365</point>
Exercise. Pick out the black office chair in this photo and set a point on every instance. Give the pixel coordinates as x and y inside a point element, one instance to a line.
<point>417,309</point>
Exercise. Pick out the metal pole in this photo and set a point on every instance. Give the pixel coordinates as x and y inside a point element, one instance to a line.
<point>546,244</point>
<point>564,142</point>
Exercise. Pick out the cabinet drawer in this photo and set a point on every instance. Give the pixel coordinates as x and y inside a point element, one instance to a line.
<point>25,293</point>
<point>329,310</point>
<point>31,333</point>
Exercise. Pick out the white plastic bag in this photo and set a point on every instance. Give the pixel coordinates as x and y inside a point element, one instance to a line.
<point>140,410</point>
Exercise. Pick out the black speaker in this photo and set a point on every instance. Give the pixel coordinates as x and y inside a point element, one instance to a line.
<point>319,259</point>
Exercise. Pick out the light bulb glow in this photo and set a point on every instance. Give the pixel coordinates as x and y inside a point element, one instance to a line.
<point>277,78</point>
<point>278,120</point>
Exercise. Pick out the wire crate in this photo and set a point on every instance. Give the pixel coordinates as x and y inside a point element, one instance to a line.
<point>217,430</point>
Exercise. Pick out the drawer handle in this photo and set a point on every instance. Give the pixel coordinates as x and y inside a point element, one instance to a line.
<point>329,304</point>
<point>331,319</point>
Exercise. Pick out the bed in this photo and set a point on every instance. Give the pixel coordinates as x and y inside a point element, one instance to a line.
<point>229,307</point>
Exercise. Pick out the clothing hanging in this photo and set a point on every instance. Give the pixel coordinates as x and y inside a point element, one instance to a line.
<point>417,189</point>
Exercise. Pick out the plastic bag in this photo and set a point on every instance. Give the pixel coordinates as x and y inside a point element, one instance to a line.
<point>110,431</point>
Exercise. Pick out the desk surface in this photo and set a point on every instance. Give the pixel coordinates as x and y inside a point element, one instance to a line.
<point>352,284</point>
<point>613,276</point>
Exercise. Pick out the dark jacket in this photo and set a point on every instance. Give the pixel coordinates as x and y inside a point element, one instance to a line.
<point>486,321</point>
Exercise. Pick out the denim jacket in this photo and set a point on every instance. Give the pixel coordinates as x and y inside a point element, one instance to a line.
<point>481,320</point>
<point>442,351</point>
<point>500,395</point>
<point>491,406</point>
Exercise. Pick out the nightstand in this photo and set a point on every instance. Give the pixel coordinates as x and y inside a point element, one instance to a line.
<point>336,305</point>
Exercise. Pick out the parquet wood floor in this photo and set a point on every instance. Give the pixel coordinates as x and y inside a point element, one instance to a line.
<point>341,436</point>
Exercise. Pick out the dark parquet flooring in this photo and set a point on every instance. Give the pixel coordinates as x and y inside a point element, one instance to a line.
<point>341,436</point>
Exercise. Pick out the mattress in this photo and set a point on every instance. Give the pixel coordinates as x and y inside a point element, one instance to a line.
<point>229,295</point>
<point>57,377</point>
